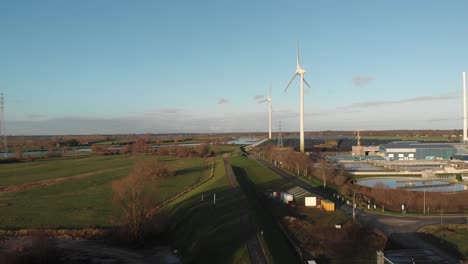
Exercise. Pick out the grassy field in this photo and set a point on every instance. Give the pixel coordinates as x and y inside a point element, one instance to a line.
<point>252,175</point>
<point>260,175</point>
<point>455,234</point>
<point>84,202</point>
<point>24,172</point>
<point>208,233</point>
<point>204,233</point>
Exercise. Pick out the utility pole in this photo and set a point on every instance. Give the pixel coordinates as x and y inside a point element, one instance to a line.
<point>280,136</point>
<point>424,201</point>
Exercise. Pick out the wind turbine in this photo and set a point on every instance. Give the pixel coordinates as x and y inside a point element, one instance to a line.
<point>300,71</point>
<point>269,112</point>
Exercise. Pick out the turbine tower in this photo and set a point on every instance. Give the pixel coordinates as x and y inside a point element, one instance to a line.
<point>300,71</point>
<point>269,112</point>
<point>465,134</point>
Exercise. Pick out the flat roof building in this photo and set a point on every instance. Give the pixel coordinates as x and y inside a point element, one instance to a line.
<point>415,150</point>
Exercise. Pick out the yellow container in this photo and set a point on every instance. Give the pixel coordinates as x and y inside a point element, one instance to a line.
<point>328,205</point>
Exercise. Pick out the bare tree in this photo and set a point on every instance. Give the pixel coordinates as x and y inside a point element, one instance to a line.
<point>136,195</point>
<point>18,155</point>
<point>140,146</point>
<point>203,149</point>
<point>324,170</point>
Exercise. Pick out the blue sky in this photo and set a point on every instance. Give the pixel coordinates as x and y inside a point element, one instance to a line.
<point>81,67</point>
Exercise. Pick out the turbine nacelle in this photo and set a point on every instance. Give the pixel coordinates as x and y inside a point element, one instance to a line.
<point>300,71</point>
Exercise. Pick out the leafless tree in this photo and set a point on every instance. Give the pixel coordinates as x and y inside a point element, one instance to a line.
<point>324,170</point>
<point>203,149</point>
<point>18,155</point>
<point>136,195</point>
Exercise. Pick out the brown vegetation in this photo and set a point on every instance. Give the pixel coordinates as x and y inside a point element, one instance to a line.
<point>392,199</point>
<point>296,162</point>
<point>37,247</point>
<point>326,243</point>
<point>136,196</point>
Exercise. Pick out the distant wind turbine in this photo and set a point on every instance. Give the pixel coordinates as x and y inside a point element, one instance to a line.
<point>269,111</point>
<point>300,71</point>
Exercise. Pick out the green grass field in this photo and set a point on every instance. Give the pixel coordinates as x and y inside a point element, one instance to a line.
<point>25,172</point>
<point>208,233</point>
<point>204,233</point>
<point>260,175</point>
<point>254,178</point>
<point>84,202</point>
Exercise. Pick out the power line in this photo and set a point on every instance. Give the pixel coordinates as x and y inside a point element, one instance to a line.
<point>280,136</point>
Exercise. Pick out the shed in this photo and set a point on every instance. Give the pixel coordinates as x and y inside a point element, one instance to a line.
<point>328,205</point>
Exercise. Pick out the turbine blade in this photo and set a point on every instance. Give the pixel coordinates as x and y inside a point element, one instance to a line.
<point>269,93</point>
<point>298,64</point>
<point>307,83</point>
<point>294,77</point>
<point>263,101</point>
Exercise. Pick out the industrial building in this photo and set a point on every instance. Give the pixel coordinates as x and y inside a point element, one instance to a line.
<point>360,151</point>
<point>415,150</point>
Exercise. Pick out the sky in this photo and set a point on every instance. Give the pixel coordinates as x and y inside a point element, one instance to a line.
<point>109,66</point>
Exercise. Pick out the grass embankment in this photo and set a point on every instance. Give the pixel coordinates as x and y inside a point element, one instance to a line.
<point>455,235</point>
<point>85,202</point>
<point>208,233</point>
<point>254,177</point>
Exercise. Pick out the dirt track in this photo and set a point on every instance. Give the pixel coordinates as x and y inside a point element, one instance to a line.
<point>38,184</point>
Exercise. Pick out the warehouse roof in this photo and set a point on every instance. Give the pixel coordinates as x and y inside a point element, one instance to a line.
<point>417,144</point>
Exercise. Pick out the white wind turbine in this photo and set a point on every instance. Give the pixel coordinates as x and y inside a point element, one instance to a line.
<point>300,71</point>
<point>269,112</point>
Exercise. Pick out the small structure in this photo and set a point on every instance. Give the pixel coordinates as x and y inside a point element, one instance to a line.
<point>286,197</point>
<point>328,205</point>
<point>311,201</point>
<point>359,151</point>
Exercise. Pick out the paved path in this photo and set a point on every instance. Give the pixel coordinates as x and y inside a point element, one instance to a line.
<point>389,225</point>
<point>253,245</point>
